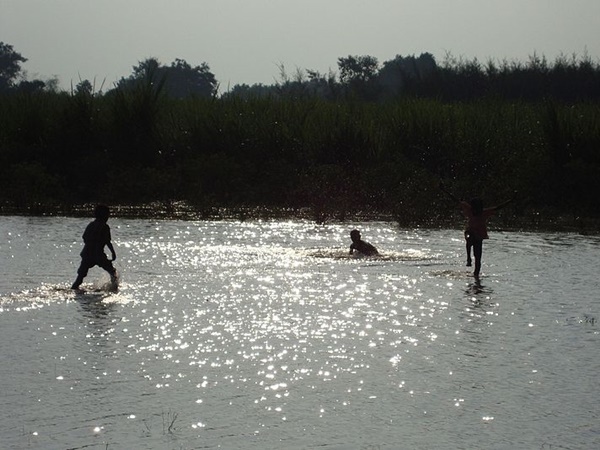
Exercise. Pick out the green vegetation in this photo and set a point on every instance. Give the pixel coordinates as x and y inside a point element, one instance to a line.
<point>334,157</point>
<point>347,153</point>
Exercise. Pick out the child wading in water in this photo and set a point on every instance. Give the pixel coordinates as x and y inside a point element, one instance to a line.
<point>476,230</point>
<point>361,246</point>
<point>95,237</point>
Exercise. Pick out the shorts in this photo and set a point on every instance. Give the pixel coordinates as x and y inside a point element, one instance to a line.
<point>88,263</point>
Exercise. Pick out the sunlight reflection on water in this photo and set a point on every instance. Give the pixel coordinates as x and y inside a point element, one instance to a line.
<point>270,335</point>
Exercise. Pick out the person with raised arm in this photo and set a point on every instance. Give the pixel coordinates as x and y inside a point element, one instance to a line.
<point>476,227</point>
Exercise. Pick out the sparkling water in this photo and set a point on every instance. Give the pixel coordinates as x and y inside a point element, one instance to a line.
<point>269,335</point>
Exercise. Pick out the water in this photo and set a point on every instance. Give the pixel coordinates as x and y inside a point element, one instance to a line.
<point>268,335</point>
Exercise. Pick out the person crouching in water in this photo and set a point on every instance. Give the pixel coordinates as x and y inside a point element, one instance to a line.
<point>361,246</point>
<point>476,229</point>
<point>95,237</point>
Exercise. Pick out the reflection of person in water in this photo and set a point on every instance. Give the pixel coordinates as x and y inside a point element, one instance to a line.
<point>476,230</point>
<point>361,246</point>
<point>95,237</point>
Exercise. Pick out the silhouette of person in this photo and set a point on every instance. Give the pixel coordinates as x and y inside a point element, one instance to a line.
<point>361,246</point>
<point>95,237</point>
<point>476,229</point>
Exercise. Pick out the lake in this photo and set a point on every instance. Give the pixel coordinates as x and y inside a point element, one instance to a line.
<point>269,335</point>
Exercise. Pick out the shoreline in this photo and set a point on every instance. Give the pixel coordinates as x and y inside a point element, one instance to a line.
<point>532,222</point>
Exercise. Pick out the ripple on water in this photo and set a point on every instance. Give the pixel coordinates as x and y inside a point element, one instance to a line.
<point>269,335</point>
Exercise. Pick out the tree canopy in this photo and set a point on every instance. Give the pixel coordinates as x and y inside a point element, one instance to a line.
<point>180,78</point>
<point>10,66</point>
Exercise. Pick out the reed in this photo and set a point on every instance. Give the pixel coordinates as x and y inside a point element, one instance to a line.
<point>168,420</point>
<point>336,157</point>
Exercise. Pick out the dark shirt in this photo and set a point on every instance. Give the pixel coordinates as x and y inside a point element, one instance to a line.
<point>95,237</point>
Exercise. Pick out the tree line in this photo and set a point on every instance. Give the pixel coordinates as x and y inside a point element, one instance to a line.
<point>335,145</point>
<point>567,79</point>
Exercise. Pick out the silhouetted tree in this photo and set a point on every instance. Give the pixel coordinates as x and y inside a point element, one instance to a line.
<point>29,87</point>
<point>323,86</point>
<point>136,109</point>
<point>358,73</point>
<point>84,87</point>
<point>10,66</point>
<point>184,80</point>
<point>180,79</point>
<point>406,74</point>
<point>250,91</point>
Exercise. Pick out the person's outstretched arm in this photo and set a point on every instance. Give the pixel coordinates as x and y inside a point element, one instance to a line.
<point>447,192</point>
<point>503,204</point>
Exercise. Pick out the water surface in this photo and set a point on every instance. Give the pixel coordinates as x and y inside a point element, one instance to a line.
<point>268,335</point>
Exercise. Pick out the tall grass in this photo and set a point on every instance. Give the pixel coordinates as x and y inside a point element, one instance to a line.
<point>338,158</point>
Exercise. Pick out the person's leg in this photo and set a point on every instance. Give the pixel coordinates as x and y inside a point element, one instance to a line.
<point>469,244</point>
<point>107,265</point>
<point>81,273</point>
<point>477,252</point>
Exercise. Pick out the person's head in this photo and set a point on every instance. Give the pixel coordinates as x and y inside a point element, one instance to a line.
<point>355,235</point>
<point>476,206</point>
<point>101,212</point>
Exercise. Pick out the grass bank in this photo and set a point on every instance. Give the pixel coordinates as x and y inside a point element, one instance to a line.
<point>321,159</point>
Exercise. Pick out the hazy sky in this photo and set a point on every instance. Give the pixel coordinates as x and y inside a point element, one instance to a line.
<point>245,41</point>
